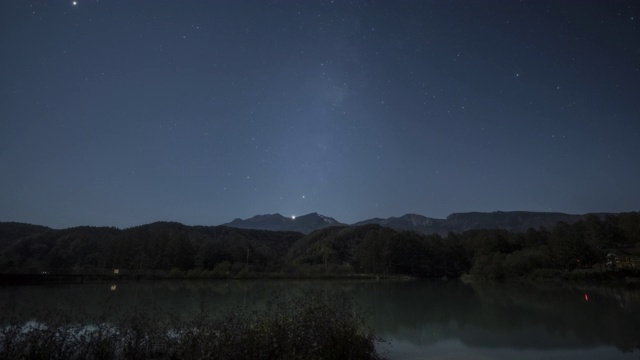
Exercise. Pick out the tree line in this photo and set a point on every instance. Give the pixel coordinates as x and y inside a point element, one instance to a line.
<point>601,246</point>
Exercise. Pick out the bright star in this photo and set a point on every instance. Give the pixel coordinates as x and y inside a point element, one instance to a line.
<point>74,3</point>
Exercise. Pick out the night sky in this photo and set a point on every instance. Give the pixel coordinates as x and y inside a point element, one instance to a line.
<point>121,113</point>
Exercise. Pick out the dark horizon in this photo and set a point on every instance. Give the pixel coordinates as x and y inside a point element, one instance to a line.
<point>359,222</point>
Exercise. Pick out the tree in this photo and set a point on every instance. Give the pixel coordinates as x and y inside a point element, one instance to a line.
<point>183,253</point>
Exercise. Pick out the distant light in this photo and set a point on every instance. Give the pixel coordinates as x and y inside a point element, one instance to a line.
<point>586,297</point>
<point>293,217</point>
<point>74,3</point>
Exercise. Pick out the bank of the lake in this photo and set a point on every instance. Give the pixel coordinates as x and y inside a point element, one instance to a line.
<point>77,277</point>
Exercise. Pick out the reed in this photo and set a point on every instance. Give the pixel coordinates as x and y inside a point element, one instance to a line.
<point>304,327</point>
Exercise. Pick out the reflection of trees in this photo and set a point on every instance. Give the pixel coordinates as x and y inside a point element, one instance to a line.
<point>421,312</point>
<point>508,316</point>
<point>564,310</point>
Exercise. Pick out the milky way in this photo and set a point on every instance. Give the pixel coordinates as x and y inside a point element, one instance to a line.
<point>121,113</point>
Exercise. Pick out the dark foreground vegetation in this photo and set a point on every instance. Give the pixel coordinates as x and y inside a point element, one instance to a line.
<point>301,328</point>
<point>597,247</point>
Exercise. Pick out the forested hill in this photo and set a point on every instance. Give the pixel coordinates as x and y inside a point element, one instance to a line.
<point>602,245</point>
<point>12,231</point>
<point>160,246</point>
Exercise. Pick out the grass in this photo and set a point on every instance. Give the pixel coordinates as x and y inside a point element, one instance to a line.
<point>309,327</point>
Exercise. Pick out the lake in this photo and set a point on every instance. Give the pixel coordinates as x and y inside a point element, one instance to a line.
<point>419,319</point>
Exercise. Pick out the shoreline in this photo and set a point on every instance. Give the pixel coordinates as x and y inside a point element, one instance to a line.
<point>39,279</point>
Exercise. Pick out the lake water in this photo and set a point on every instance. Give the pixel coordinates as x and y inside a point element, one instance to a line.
<point>419,319</point>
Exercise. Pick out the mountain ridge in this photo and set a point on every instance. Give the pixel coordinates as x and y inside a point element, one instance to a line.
<point>517,221</point>
<point>276,222</point>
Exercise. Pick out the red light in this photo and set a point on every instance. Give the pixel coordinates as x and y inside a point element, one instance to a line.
<point>586,297</point>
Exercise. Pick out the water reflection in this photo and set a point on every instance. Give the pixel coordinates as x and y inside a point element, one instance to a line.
<point>423,319</point>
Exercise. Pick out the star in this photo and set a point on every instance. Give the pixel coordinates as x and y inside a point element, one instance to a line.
<point>346,127</point>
